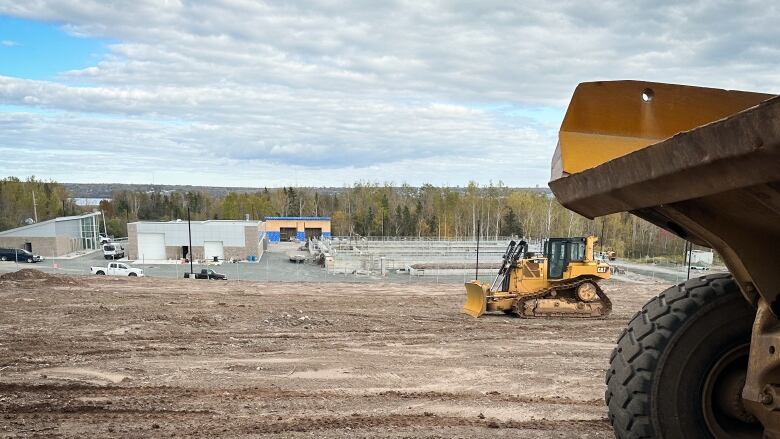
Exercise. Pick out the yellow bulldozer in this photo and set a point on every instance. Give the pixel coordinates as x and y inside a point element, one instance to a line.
<point>562,281</point>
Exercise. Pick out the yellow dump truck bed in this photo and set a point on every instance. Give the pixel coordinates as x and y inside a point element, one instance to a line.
<point>716,185</point>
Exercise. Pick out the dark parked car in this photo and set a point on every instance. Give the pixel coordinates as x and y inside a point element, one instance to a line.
<point>18,254</point>
<point>207,274</point>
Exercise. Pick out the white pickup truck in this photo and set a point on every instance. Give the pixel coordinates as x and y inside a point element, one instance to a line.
<point>117,269</point>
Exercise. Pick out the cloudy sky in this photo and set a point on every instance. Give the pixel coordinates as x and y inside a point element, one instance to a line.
<point>251,93</point>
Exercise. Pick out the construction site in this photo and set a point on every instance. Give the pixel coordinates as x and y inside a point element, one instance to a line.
<point>405,219</point>
<point>352,338</point>
<point>328,336</point>
<point>123,357</point>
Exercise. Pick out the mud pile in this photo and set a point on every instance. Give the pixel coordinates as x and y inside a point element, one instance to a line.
<point>25,274</point>
<point>37,277</point>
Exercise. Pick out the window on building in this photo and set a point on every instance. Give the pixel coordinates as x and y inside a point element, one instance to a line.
<point>89,232</point>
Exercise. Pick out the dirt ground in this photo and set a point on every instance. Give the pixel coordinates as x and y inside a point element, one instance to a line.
<point>111,357</point>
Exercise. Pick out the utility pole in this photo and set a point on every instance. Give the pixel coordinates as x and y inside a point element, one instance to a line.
<point>603,222</point>
<point>479,232</point>
<point>189,230</point>
<point>105,229</point>
<point>688,252</point>
<point>35,208</point>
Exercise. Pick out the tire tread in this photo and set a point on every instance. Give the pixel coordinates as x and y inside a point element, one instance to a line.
<point>633,361</point>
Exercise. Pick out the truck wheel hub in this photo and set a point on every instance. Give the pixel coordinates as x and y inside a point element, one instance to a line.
<point>722,405</point>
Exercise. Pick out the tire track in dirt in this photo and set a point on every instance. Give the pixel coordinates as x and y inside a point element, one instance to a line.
<point>427,421</point>
<point>255,392</point>
<point>335,361</point>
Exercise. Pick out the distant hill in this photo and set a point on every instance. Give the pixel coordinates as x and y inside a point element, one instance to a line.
<point>104,190</point>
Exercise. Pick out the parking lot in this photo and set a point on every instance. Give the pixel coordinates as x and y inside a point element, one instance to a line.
<point>274,266</point>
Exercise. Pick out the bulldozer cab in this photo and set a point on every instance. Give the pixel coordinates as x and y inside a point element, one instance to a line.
<point>559,252</point>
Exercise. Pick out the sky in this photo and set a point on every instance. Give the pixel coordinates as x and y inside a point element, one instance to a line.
<point>326,93</point>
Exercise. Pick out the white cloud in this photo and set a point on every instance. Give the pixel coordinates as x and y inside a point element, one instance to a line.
<point>8,43</point>
<point>416,91</point>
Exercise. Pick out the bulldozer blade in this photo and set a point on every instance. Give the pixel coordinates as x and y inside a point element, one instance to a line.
<point>476,299</point>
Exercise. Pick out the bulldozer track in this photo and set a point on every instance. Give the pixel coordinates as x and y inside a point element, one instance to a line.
<point>563,286</point>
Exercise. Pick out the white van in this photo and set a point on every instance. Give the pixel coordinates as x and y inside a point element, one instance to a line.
<point>113,251</point>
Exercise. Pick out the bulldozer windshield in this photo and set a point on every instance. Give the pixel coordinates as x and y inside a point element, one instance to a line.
<point>577,250</point>
<point>560,251</point>
<point>556,258</point>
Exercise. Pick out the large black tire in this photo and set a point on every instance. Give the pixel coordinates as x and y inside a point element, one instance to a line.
<point>674,352</point>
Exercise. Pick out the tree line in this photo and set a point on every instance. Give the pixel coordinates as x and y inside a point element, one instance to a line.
<point>363,209</point>
<point>22,200</point>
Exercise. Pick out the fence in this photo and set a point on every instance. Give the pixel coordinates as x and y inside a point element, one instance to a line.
<point>420,257</point>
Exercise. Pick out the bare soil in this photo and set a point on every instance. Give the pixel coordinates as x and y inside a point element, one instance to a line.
<point>111,357</point>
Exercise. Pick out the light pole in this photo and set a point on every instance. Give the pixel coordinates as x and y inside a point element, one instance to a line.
<point>479,232</point>
<point>189,232</point>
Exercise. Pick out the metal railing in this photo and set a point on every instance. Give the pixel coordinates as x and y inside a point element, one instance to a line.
<point>355,238</point>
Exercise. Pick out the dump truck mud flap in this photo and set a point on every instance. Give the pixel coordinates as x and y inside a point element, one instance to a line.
<point>476,298</point>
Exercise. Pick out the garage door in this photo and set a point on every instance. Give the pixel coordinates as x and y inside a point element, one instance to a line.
<point>151,246</point>
<point>313,233</point>
<point>213,248</point>
<point>287,233</point>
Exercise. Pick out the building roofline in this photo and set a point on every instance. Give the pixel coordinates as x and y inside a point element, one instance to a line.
<point>72,217</point>
<point>313,218</point>
<point>53,220</point>
<point>198,222</point>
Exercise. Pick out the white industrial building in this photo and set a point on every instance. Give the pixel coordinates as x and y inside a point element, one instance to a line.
<point>55,237</point>
<point>223,239</point>
<point>700,257</point>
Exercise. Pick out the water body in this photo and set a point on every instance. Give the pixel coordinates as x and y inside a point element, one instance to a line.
<point>89,201</point>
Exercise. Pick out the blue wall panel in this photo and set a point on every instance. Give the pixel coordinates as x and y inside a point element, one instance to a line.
<point>301,236</point>
<point>274,236</point>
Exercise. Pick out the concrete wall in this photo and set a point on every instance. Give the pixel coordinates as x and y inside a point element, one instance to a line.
<point>41,246</point>
<point>252,246</point>
<point>132,240</point>
<point>237,253</point>
<point>174,252</point>
<point>171,252</point>
<point>67,244</point>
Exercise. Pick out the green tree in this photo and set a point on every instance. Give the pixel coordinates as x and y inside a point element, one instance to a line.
<point>510,225</point>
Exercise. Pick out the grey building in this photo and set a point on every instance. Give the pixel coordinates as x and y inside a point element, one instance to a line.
<point>224,239</point>
<point>55,237</point>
